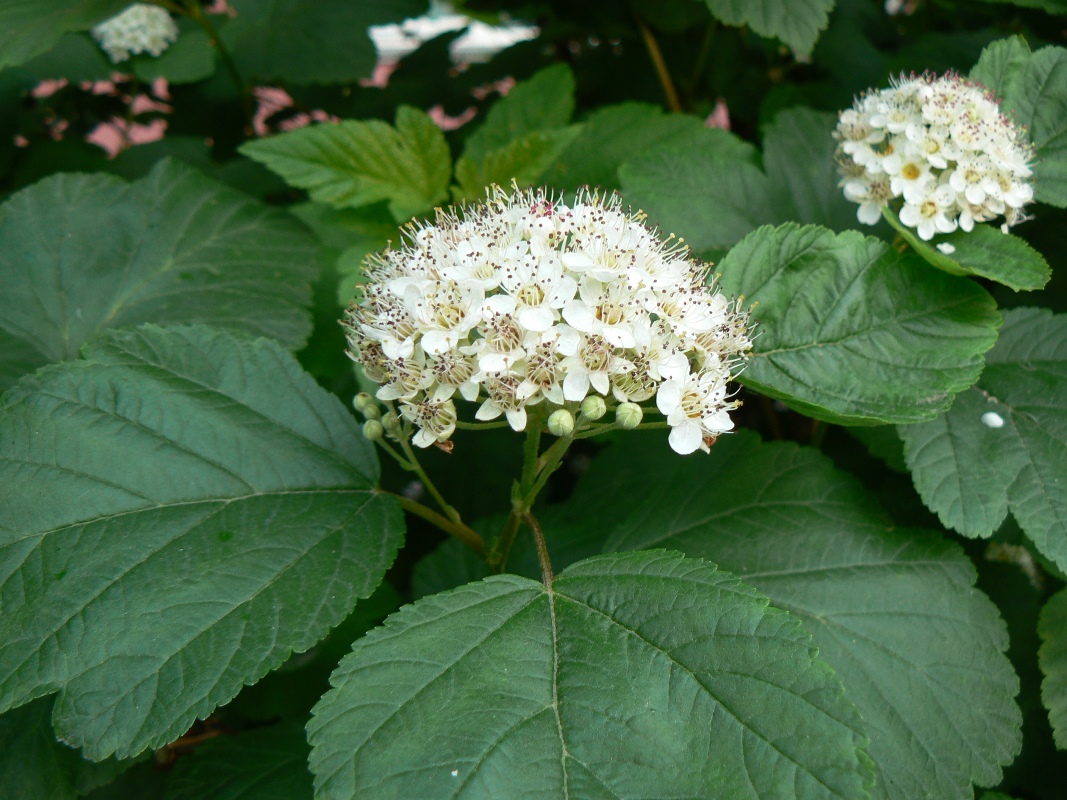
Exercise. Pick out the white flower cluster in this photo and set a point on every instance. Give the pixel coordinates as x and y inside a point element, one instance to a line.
<point>141,28</point>
<point>941,144</point>
<point>525,300</point>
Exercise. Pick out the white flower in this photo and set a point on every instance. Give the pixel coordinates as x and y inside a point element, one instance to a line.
<point>141,28</point>
<point>946,150</point>
<point>695,409</point>
<point>525,301</point>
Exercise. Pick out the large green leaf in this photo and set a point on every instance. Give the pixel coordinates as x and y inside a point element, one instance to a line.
<point>34,766</point>
<point>1003,444</point>
<point>310,41</point>
<point>712,191</point>
<point>355,163</point>
<point>264,764</point>
<point>853,332</point>
<point>796,22</point>
<point>894,612</point>
<point>635,675</point>
<point>30,27</point>
<point>612,135</point>
<point>81,253</point>
<point>178,513</point>
<point>1033,89</point>
<point>1053,658</point>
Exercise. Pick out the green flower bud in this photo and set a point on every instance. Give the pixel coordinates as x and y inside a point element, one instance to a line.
<point>366,405</point>
<point>391,423</point>
<point>628,415</point>
<point>593,408</point>
<point>373,430</point>
<point>561,422</point>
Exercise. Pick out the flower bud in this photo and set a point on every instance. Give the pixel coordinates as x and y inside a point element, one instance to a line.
<point>593,408</point>
<point>362,402</point>
<point>561,423</point>
<point>628,415</point>
<point>373,430</point>
<point>391,423</point>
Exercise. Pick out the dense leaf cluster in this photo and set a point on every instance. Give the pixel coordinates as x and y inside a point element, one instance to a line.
<point>213,585</point>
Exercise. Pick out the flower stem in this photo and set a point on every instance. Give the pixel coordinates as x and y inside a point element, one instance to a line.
<point>480,426</point>
<point>462,532</point>
<point>660,66</point>
<point>194,11</point>
<point>416,467</point>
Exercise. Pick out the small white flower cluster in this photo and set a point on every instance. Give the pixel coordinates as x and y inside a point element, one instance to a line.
<point>524,300</point>
<point>141,28</point>
<point>941,144</point>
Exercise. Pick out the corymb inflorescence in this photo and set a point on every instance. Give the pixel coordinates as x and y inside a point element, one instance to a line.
<point>938,151</point>
<point>524,300</point>
<point>141,28</point>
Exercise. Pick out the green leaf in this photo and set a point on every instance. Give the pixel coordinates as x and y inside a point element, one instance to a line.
<point>1033,89</point>
<point>612,135</point>
<point>522,136</point>
<point>200,478</point>
<point>265,764</point>
<point>191,58</point>
<point>637,675</point>
<point>894,612</point>
<point>712,194</point>
<point>986,252</point>
<point>172,247</point>
<point>310,41</point>
<point>852,332</point>
<point>799,161</point>
<point>970,471</point>
<point>353,163</point>
<point>796,22</point>
<point>523,161</point>
<point>545,102</point>
<point>30,27</point>
<point>1052,627</point>
<point>34,766</point>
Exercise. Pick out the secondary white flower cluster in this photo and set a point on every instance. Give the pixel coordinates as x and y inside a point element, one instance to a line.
<point>941,144</point>
<point>523,300</point>
<point>141,28</point>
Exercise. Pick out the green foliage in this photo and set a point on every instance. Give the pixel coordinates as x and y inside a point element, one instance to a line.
<point>713,191</point>
<point>700,665</point>
<point>795,22</point>
<point>522,136</point>
<point>1053,655</point>
<point>985,252</point>
<point>878,337</point>
<point>971,468</point>
<point>894,612</point>
<point>34,766</point>
<point>201,556</point>
<point>30,27</point>
<point>200,479</point>
<point>354,164</point>
<point>172,247</point>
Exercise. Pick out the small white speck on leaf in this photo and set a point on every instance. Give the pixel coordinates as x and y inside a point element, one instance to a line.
<point>946,248</point>
<point>455,773</point>
<point>991,419</point>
